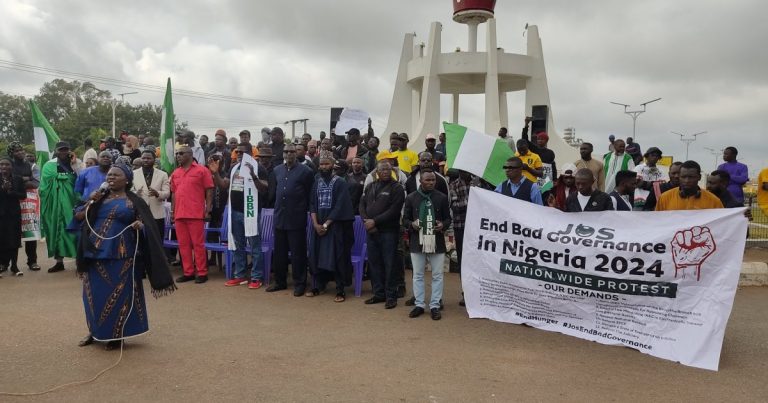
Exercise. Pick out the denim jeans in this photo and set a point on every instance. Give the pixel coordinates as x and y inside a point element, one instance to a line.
<point>436,261</point>
<point>254,242</point>
<point>382,250</point>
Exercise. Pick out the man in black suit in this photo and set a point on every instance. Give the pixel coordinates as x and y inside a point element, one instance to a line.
<point>293,185</point>
<point>587,199</point>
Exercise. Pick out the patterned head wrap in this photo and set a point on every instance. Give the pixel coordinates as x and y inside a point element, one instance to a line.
<point>127,170</point>
<point>13,147</point>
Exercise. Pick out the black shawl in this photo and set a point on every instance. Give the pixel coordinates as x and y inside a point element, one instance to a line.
<point>150,254</point>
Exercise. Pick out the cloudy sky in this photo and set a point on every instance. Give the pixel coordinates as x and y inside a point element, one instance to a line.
<point>706,59</point>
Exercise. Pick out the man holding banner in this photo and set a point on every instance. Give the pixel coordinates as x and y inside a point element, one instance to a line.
<point>30,207</point>
<point>246,180</point>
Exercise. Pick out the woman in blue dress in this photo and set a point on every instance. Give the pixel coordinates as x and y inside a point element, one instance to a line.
<point>115,253</point>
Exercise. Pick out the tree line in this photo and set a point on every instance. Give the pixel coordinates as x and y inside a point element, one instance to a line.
<point>76,110</point>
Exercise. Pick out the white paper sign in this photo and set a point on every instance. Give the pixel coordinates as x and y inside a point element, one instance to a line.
<point>659,282</point>
<point>352,118</point>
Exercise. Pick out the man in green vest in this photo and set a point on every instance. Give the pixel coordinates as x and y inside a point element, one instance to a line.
<point>615,162</point>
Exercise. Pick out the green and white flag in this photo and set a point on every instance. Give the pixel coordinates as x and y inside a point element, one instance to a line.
<point>476,152</point>
<point>44,136</point>
<point>167,130</point>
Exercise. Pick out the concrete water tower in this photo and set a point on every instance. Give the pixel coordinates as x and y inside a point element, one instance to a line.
<point>425,72</point>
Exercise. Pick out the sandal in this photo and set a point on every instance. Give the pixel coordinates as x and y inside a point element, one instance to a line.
<point>340,298</point>
<point>87,341</point>
<point>113,345</point>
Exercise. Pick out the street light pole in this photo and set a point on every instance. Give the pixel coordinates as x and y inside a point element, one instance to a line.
<point>114,105</point>
<point>634,114</point>
<point>716,153</point>
<point>688,141</point>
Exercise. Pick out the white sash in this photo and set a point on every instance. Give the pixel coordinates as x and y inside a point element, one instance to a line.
<point>250,199</point>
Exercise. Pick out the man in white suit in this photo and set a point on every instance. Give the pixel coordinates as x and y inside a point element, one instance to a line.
<point>152,185</point>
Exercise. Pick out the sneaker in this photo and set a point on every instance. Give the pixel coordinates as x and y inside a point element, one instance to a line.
<point>16,272</point>
<point>254,285</point>
<point>201,279</point>
<point>184,279</point>
<point>416,312</point>
<point>34,267</point>
<point>235,282</point>
<point>56,268</point>
<point>435,313</point>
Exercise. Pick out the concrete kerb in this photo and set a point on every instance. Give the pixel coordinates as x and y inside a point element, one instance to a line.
<point>753,274</point>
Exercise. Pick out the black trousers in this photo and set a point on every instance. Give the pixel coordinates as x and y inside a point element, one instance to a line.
<point>382,267</point>
<point>30,247</point>
<point>294,241</point>
<point>458,235</point>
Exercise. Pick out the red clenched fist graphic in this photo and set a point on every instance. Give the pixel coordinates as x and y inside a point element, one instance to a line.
<point>691,247</point>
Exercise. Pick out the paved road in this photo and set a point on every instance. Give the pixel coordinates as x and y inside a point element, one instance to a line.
<point>211,343</point>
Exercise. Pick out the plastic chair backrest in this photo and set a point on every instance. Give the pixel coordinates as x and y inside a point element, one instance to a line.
<point>360,237</point>
<point>267,227</point>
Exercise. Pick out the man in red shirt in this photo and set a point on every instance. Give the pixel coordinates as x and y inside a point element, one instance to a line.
<point>192,188</point>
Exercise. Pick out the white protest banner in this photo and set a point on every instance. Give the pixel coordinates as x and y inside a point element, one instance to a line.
<point>352,118</point>
<point>659,282</point>
<point>30,216</point>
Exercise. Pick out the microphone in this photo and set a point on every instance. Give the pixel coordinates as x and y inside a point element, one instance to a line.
<point>103,190</point>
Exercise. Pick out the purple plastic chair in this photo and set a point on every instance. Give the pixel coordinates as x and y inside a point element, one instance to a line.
<point>359,254</point>
<point>267,233</point>
<point>221,245</point>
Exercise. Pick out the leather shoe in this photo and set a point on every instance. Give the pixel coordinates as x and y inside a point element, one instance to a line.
<point>410,301</point>
<point>435,313</point>
<point>56,268</point>
<point>374,300</point>
<point>201,279</point>
<point>390,304</point>
<point>416,312</point>
<point>275,287</point>
<point>184,279</point>
<point>298,292</point>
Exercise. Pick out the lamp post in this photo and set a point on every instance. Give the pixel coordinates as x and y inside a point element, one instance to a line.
<point>634,114</point>
<point>688,141</point>
<point>716,153</point>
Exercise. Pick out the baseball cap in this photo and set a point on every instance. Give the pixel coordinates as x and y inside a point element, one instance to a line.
<point>62,144</point>
<point>385,155</point>
<point>431,136</point>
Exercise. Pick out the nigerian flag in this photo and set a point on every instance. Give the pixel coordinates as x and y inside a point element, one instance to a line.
<point>44,136</point>
<point>476,152</point>
<point>167,129</point>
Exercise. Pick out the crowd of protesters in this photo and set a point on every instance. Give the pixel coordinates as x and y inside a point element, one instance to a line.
<point>406,199</point>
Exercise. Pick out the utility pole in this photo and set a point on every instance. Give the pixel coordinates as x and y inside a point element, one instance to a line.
<point>688,141</point>
<point>114,105</point>
<point>634,114</point>
<point>293,126</point>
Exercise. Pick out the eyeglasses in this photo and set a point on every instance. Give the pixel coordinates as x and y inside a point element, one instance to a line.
<point>513,167</point>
